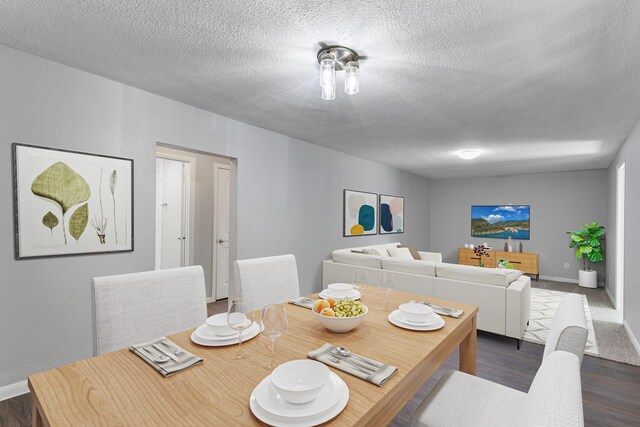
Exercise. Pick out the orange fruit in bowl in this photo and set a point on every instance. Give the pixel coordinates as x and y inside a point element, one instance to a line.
<point>331,301</point>
<point>321,304</point>
<point>328,312</point>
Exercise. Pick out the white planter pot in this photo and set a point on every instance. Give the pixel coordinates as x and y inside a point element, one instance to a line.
<point>588,279</point>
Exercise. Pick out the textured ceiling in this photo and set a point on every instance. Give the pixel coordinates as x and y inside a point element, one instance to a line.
<point>535,85</point>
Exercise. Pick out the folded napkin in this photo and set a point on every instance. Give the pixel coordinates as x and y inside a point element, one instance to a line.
<point>451,312</point>
<point>170,367</point>
<point>377,375</point>
<point>303,302</point>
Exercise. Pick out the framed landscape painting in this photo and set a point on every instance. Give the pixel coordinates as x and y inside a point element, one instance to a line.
<point>391,214</point>
<point>360,216</point>
<point>68,202</point>
<point>500,222</point>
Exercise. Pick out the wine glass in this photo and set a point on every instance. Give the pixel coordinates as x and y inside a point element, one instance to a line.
<point>273,322</point>
<point>240,317</point>
<point>360,282</point>
<point>387,283</point>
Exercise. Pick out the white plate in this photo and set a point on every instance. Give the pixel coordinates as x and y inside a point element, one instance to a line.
<point>249,333</point>
<point>432,320</point>
<point>269,399</point>
<point>205,333</point>
<point>396,319</point>
<point>326,293</point>
<point>276,420</point>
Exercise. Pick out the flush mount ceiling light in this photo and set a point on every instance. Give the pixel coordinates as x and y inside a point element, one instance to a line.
<point>338,58</point>
<point>468,154</point>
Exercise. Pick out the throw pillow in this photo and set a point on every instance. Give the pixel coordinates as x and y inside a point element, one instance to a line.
<point>402,253</point>
<point>413,250</point>
<point>370,251</point>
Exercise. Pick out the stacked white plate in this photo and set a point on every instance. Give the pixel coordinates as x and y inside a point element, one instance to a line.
<point>326,293</point>
<point>204,336</point>
<point>433,322</point>
<point>270,408</point>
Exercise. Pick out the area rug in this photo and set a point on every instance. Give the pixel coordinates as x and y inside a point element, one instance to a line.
<point>544,304</point>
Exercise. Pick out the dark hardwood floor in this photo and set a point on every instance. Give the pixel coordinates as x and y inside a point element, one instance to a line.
<point>610,390</point>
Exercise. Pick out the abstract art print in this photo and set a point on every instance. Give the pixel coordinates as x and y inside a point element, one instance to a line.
<point>68,202</point>
<point>500,221</point>
<point>391,214</point>
<point>360,216</point>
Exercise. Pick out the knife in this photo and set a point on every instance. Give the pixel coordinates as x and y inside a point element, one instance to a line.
<point>165,352</point>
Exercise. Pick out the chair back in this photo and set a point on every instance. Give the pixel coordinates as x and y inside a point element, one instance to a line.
<point>269,280</point>
<point>555,396</point>
<point>568,331</point>
<point>131,308</point>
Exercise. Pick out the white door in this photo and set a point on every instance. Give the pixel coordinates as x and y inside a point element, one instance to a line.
<point>222,177</point>
<point>174,213</point>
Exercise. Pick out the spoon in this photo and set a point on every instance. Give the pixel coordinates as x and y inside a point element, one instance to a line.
<point>155,357</point>
<point>345,352</point>
<point>356,367</point>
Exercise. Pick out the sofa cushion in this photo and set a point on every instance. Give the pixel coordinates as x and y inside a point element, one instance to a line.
<point>345,256</point>
<point>430,256</point>
<point>468,273</point>
<point>401,253</point>
<point>413,250</point>
<point>412,266</point>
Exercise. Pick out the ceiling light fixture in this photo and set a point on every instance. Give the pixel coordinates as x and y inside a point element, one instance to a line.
<point>338,58</point>
<point>468,154</point>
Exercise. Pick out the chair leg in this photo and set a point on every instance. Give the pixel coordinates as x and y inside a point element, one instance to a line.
<point>517,343</point>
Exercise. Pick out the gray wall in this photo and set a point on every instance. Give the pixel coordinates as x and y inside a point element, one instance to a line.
<point>629,154</point>
<point>289,197</point>
<point>559,202</point>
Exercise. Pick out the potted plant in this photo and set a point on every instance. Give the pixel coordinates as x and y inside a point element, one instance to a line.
<point>589,250</point>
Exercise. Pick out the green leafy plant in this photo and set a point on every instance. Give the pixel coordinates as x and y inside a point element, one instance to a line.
<point>588,244</point>
<point>63,186</point>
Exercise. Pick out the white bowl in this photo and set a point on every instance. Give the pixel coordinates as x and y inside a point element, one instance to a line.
<point>341,324</point>
<point>340,290</point>
<point>300,381</point>
<point>415,312</point>
<point>218,325</point>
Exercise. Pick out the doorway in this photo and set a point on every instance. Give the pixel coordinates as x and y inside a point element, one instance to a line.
<point>620,207</point>
<point>221,205</point>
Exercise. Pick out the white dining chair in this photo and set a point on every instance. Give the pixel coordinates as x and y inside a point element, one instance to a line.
<point>269,280</point>
<point>568,331</point>
<point>131,308</point>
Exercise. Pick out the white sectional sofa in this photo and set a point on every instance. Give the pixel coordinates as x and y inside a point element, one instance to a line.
<point>503,296</point>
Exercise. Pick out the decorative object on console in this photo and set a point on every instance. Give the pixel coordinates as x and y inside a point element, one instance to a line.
<point>58,193</point>
<point>481,251</point>
<point>509,244</point>
<point>520,247</point>
<point>527,262</point>
<point>588,249</point>
<point>391,214</point>
<point>359,213</point>
<point>504,263</point>
<point>466,245</point>
<point>500,222</point>
<point>506,247</point>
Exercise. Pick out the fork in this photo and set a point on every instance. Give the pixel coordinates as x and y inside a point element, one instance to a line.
<point>177,351</point>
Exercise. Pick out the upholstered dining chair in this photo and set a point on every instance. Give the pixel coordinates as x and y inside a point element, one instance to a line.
<point>131,308</point>
<point>568,331</point>
<point>554,399</point>
<point>268,280</point>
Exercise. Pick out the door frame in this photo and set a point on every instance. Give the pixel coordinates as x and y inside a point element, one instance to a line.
<point>620,240</point>
<point>214,264</point>
<point>190,213</point>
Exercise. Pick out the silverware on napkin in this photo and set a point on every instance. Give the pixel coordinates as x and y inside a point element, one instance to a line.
<point>169,363</point>
<point>445,311</point>
<point>303,302</point>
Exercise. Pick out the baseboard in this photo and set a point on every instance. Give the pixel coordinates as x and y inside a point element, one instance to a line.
<point>559,279</point>
<point>13,390</point>
<point>613,302</point>
<point>210,300</point>
<point>632,337</point>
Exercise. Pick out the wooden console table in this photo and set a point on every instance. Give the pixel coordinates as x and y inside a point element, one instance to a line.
<point>526,262</point>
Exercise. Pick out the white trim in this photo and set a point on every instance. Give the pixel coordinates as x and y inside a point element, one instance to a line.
<point>210,300</point>
<point>632,337</point>
<point>611,298</point>
<point>214,258</point>
<point>559,279</point>
<point>13,390</point>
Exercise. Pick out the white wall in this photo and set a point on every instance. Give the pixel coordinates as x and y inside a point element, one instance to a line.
<point>629,154</point>
<point>559,202</point>
<point>289,197</point>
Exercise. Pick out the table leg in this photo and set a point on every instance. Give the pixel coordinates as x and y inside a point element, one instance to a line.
<point>468,348</point>
<point>36,418</point>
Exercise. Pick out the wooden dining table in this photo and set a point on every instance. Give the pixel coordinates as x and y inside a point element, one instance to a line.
<point>120,389</point>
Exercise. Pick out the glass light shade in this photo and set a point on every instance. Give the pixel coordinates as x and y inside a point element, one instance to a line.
<point>328,78</point>
<point>352,78</point>
<point>468,154</point>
